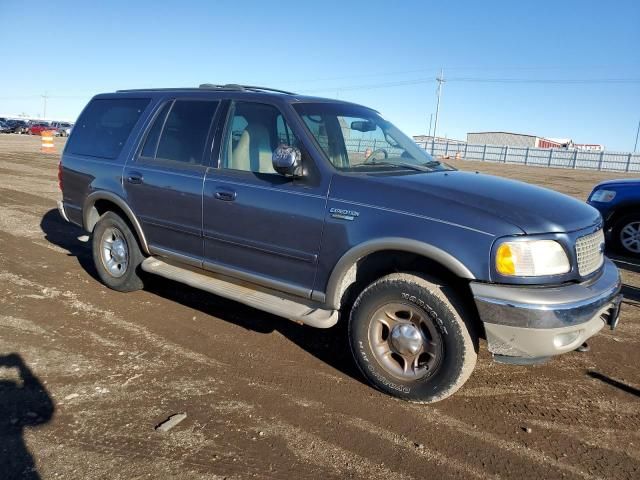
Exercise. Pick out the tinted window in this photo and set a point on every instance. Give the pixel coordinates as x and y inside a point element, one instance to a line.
<point>104,126</point>
<point>255,132</point>
<point>185,132</point>
<point>151,142</point>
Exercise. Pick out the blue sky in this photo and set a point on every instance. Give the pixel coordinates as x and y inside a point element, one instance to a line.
<point>348,50</point>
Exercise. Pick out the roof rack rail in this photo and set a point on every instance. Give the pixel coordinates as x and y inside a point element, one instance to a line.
<point>234,86</point>
<point>212,86</point>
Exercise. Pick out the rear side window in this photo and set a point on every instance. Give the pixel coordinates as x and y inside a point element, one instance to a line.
<point>104,126</point>
<point>185,131</point>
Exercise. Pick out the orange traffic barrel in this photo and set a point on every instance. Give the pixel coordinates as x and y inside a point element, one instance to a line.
<point>47,141</point>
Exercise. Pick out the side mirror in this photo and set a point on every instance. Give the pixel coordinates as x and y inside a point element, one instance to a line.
<point>287,161</point>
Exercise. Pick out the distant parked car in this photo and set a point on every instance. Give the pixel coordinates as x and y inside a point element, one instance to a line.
<point>62,129</point>
<point>17,126</point>
<point>619,203</point>
<point>38,128</point>
<point>4,127</point>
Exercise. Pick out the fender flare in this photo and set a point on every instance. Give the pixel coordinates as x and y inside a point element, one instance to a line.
<point>90,214</point>
<point>343,274</point>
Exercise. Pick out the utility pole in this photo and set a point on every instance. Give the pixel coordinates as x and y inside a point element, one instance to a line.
<point>44,110</point>
<point>635,147</point>
<point>430,124</point>
<point>440,80</point>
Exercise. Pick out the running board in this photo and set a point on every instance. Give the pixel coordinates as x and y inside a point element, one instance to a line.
<point>272,302</point>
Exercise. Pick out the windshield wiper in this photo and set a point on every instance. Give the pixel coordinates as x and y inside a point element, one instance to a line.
<point>432,163</point>
<point>408,166</point>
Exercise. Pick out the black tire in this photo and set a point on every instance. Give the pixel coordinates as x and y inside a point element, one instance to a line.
<point>617,235</point>
<point>126,278</point>
<point>448,335</point>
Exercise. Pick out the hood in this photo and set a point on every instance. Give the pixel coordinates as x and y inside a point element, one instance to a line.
<point>624,182</point>
<point>484,202</point>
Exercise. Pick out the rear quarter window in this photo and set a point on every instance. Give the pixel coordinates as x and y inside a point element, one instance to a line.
<point>104,126</point>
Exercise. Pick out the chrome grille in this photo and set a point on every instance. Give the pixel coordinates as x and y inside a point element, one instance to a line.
<point>589,252</point>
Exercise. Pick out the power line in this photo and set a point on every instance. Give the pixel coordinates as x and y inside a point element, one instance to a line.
<point>548,81</point>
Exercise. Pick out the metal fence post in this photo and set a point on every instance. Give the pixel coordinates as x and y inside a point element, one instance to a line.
<point>628,163</point>
<point>600,160</point>
<point>465,150</point>
<point>526,156</point>
<point>506,152</point>
<point>433,145</point>
<point>446,149</point>
<point>550,155</point>
<point>359,142</point>
<point>484,152</point>
<point>575,157</point>
<point>375,140</point>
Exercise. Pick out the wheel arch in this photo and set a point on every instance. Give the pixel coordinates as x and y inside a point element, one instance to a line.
<point>623,211</point>
<point>345,272</point>
<point>99,202</point>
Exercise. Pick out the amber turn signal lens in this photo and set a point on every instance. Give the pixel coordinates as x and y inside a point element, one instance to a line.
<point>504,260</point>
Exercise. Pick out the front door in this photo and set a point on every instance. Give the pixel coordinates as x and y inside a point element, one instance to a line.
<point>164,182</point>
<point>257,224</point>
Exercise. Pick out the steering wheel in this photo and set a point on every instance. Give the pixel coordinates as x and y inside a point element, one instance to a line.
<point>373,154</point>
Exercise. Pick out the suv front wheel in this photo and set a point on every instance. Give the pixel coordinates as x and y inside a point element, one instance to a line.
<point>116,254</point>
<point>409,339</point>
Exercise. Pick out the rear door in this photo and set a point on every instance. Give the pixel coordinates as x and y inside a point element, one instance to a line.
<point>164,182</point>
<point>257,224</point>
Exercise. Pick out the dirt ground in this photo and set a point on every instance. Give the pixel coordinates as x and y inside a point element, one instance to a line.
<point>86,374</point>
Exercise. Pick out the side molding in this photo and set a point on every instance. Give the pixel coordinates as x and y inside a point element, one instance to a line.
<point>90,214</point>
<point>343,273</point>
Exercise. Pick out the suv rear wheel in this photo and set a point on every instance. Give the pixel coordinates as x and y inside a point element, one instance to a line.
<point>626,235</point>
<point>409,339</point>
<point>116,254</point>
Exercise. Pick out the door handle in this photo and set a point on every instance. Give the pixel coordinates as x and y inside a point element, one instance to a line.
<point>135,178</point>
<point>225,195</point>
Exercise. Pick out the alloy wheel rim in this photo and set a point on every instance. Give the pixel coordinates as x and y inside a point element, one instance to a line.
<point>114,252</point>
<point>405,341</point>
<point>630,237</point>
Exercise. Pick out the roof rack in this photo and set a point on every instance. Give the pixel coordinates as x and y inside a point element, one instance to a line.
<point>212,86</point>
<point>234,86</point>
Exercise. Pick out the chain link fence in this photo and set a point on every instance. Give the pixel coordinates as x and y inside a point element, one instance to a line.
<point>541,157</point>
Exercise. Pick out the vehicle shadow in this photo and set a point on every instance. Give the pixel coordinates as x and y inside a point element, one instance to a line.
<point>328,345</point>
<point>65,235</point>
<point>24,403</point>
<point>631,294</point>
<point>614,383</point>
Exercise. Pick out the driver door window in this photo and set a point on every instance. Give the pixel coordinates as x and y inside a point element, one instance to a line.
<point>254,132</point>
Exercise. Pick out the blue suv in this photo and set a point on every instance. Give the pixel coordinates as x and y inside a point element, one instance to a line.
<point>619,203</point>
<point>322,211</point>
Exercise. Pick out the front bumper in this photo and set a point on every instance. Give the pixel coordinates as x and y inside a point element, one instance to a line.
<point>538,322</point>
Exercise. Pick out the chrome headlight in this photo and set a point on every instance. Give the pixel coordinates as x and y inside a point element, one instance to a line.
<point>603,196</point>
<point>531,258</point>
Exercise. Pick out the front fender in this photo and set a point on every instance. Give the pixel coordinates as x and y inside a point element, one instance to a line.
<point>343,274</point>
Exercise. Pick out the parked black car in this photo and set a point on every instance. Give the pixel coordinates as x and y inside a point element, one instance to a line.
<point>619,203</point>
<point>272,199</point>
<point>17,126</point>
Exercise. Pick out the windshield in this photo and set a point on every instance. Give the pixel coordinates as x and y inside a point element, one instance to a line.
<point>355,138</point>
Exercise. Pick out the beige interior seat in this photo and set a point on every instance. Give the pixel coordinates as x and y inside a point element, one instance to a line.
<point>253,151</point>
